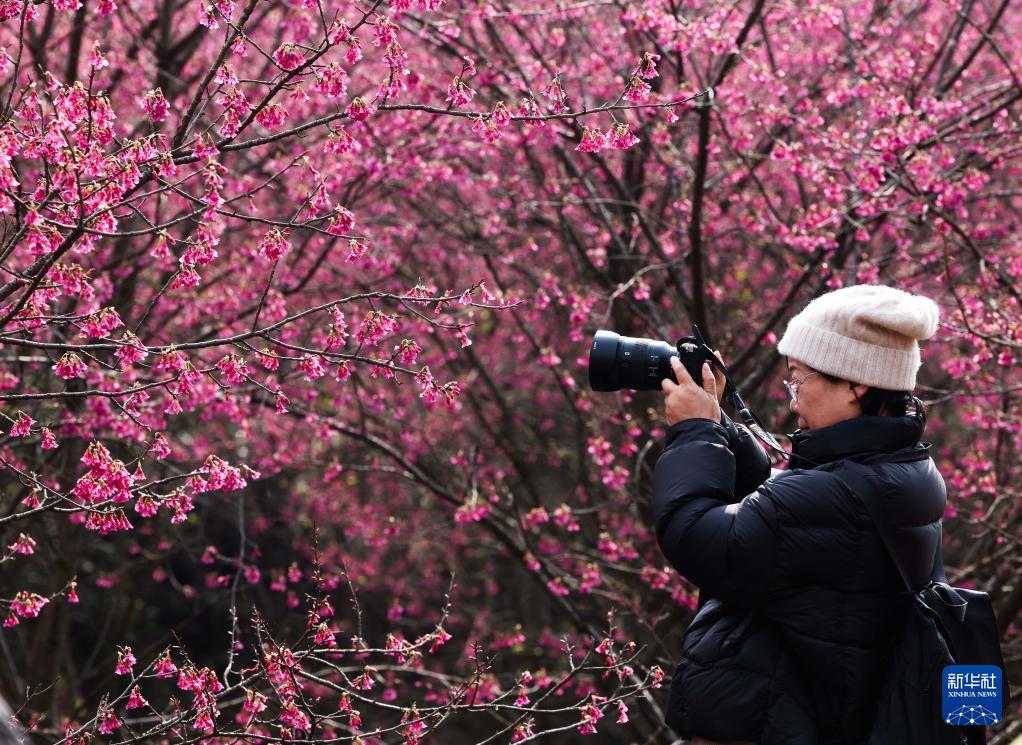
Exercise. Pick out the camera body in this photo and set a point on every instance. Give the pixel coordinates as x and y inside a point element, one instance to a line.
<point>617,362</point>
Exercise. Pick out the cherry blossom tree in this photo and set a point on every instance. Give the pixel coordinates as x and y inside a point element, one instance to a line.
<point>295,310</point>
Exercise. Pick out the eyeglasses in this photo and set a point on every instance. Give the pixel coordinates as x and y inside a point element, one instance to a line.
<point>792,385</point>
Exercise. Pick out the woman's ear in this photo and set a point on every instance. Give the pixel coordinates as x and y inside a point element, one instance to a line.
<point>858,391</point>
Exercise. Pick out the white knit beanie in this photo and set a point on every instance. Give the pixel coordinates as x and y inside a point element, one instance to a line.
<point>866,334</point>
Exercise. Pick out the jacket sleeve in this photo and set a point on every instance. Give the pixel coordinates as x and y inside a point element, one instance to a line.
<point>727,548</point>
<point>752,465</point>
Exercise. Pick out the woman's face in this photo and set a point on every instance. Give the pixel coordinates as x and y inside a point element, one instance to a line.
<point>820,402</point>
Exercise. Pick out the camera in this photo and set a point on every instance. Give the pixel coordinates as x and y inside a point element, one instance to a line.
<point>617,362</point>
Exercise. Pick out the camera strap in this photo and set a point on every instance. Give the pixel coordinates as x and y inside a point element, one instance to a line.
<point>749,419</point>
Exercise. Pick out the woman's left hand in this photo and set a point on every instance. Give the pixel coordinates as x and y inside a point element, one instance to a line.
<point>687,400</point>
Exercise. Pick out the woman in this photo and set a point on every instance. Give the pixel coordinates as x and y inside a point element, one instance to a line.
<point>798,595</point>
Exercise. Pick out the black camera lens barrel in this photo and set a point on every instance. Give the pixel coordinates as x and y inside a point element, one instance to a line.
<point>617,362</point>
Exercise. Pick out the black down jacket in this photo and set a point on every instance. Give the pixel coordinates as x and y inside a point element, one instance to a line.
<point>798,594</point>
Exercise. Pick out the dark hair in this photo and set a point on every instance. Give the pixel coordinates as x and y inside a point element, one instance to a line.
<point>882,402</point>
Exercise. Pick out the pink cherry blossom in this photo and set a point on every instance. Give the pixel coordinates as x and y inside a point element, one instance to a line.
<point>70,366</point>
<point>591,714</point>
<point>621,138</point>
<point>108,722</point>
<point>289,56</point>
<point>522,698</point>
<point>255,702</point>
<point>274,245</point>
<point>24,545</point>
<point>332,81</point>
<point>364,681</point>
<point>341,222</point>
<point>407,351</point>
<point>295,718</point>
<point>523,731</point>
<point>22,426</point>
<point>647,67</point>
<point>164,666</point>
<point>374,327</point>
<point>356,250</point>
<point>312,366</point>
<point>459,94</point>
<point>233,368</point>
<point>638,90</point>
<point>360,109</point>
<point>125,661</point>
<point>593,141</point>
<point>136,700</point>
<point>622,713</point>
<point>155,105</point>
<point>204,722</point>
<point>354,53</point>
<point>28,604</point>
<point>272,116</point>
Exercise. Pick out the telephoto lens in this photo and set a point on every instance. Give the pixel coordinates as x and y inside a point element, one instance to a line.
<point>617,362</point>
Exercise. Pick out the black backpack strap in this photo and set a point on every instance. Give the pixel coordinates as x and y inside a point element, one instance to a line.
<point>939,575</point>
<point>853,476</point>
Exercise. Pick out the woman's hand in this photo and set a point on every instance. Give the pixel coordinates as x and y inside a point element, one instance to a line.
<point>686,400</point>
<point>719,377</point>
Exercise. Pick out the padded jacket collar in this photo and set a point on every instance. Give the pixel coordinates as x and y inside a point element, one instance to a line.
<point>862,439</point>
